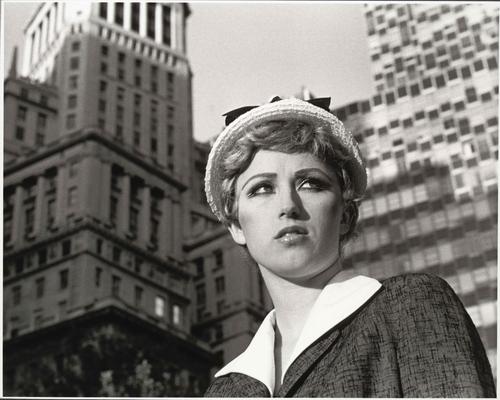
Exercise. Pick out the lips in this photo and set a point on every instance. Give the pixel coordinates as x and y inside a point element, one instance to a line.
<point>295,229</point>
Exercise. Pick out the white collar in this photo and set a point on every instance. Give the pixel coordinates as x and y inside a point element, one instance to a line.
<point>335,303</point>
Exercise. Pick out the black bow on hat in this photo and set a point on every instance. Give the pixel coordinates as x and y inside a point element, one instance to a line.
<point>322,102</point>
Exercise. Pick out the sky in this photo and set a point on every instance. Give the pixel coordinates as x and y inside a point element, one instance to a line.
<point>244,53</point>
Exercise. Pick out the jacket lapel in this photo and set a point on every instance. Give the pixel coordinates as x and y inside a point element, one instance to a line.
<point>305,361</point>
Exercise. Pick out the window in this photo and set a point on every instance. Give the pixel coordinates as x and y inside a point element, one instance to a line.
<point>29,219</point>
<point>66,247</point>
<point>75,46</point>
<point>492,63</point>
<point>166,25</point>
<point>452,74</point>
<point>103,10</point>
<point>72,197</point>
<point>97,277</point>
<point>104,68</point>
<point>119,13</point>
<point>72,101</point>
<point>200,267</point>
<point>440,81</point>
<point>159,306</point>
<point>74,63</point>
<point>73,81</point>
<point>70,121</point>
<point>201,296</point>
<point>39,287</point>
<point>219,258</point>
<point>138,296</point>
<point>16,295</point>
<point>21,113</point>
<point>478,65</point>
<point>19,133</point>
<point>414,90</point>
<point>220,285</point>
<point>103,86</point>
<point>176,314</point>
<point>42,256</point>
<point>116,254</point>
<point>134,16</point>
<point>150,15</point>
<point>63,279</point>
<point>470,94</point>
<point>102,105</point>
<point>115,285</point>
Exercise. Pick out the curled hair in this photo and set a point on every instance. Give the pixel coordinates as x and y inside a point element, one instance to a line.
<point>288,136</point>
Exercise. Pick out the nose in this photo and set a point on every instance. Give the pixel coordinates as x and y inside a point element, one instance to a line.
<point>290,204</point>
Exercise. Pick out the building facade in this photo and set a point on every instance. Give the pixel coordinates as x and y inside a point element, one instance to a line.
<point>430,139</point>
<point>97,173</point>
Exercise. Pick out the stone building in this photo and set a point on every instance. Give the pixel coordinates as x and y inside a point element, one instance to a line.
<point>98,139</point>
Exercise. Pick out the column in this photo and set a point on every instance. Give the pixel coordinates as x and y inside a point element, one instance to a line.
<point>158,24</point>
<point>127,7</point>
<point>40,195</point>
<point>142,19</point>
<point>111,12</point>
<point>28,53</point>
<point>50,35</point>
<point>17,213</point>
<point>87,187</point>
<point>44,33</point>
<point>169,226</point>
<point>145,214</point>
<point>163,234</point>
<point>124,204</point>
<point>60,16</point>
<point>105,191</point>
<point>36,47</point>
<point>61,201</point>
<point>177,229</point>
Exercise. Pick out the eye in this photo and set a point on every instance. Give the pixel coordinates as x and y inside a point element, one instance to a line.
<point>313,184</point>
<point>261,188</point>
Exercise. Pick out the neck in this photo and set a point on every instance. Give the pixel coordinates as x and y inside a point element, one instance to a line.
<point>293,299</point>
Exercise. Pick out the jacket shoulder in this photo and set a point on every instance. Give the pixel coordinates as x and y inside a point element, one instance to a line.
<point>420,284</point>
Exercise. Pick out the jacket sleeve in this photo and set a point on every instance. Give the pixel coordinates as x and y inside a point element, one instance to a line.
<point>440,353</point>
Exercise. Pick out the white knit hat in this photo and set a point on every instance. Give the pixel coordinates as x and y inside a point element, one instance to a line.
<point>287,109</point>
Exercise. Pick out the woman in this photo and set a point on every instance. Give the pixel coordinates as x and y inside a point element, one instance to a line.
<point>286,178</point>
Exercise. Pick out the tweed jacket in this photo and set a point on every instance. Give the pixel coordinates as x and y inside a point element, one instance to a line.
<point>412,338</point>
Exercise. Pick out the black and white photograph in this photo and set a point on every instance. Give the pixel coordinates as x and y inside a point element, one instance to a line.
<point>250,199</point>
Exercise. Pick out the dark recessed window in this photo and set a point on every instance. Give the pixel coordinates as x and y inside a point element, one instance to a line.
<point>66,247</point>
<point>478,65</point>
<point>459,106</point>
<point>492,63</point>
<point>407,122</point>
<point>20,133</point>
<point>414,89</point>
<point>134,16</point>
<point>103,10</point>
<point>39,287</point>
<point>433,114</point>
<point>470,94</point>
<point>63,279</point>
<point>74,63</point>
<point>440,81</point>
<point>452,74</point>
<point>382,131</point>
<point>119,13</point>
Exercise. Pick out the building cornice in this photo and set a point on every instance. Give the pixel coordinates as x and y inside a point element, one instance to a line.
<point>80,136</point>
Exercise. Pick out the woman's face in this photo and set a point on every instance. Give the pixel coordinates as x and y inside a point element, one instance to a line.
<point>289,211</point>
